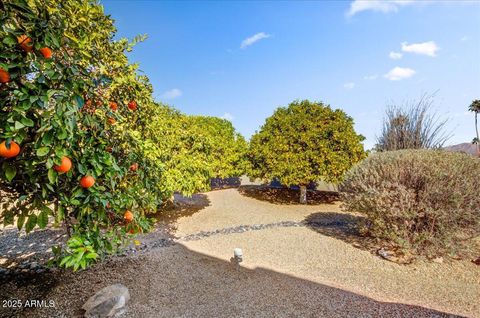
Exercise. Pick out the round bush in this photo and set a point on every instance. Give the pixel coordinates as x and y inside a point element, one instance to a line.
<point>427,201</point>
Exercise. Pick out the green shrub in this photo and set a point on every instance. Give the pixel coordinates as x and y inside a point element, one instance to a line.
<point>427,201</point>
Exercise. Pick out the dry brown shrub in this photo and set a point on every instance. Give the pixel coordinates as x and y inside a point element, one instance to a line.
<point>427,201</point>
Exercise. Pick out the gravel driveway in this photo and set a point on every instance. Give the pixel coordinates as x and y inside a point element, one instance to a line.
<point>289,270</point>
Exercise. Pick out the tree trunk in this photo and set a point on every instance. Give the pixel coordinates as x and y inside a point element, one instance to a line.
<point>303,194</point>
<point>478,139</point>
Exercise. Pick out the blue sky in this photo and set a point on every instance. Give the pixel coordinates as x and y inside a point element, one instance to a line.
<point>241,60</point>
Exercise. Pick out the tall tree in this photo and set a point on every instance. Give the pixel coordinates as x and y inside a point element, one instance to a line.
<point>475,107</point>
<point>303,143</point>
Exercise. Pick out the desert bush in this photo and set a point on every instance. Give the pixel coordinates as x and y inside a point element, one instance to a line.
<point>427,201</point>
<point>412,126</point>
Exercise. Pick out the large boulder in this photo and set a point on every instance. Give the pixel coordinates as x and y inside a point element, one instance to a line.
<point>107,302</point>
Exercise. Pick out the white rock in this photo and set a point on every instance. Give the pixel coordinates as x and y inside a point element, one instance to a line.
<point>438,260</point>
<point>107,302</point>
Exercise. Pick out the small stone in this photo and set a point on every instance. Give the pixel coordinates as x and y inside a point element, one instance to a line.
<point>387,255</point>
<point>40,270</point>
<point>476,261</point>
<point>107,302</point>
<point>34,265</point>
<point>438,260</point>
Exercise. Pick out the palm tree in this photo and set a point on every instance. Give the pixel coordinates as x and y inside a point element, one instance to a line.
<point>475,107</point>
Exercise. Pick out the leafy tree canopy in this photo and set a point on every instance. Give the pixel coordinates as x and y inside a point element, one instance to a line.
<point>69,94</point>
<point>305,142</point>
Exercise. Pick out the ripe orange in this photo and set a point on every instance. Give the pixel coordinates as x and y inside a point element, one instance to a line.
<point>113,106</point>
<point>87,182</point>
<point>134,167</point>
<point>25,43</point>
<point>132,105</point>
<point>4,76</point>
<point>46,52</point>
<point>128,216</point>
<point>11,152</point>
<point>65,166</point>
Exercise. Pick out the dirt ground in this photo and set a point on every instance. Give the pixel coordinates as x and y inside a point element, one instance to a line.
<point>289,268</point>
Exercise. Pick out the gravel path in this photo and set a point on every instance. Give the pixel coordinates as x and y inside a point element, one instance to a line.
<point>229,208</point>
<point>295,265</point>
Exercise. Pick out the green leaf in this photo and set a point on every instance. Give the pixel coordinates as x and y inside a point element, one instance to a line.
<point>49,163</point>
<point>81,168</point>
<point>10,173</point>
<point>64,260</point>
<point>60,214</point>
<point>79,101</point>
<point>91,255</point>
<point>80,254</point>
<point>55,41</point>
<point>47,138</point>
<point>27,122</point>
<point>62,135</point>
<point>42,151</point>
<point>8,218</point>
<point>74,242</point>
<point>20,221</point>
<point>52,176</point>
<point>10,40</point>
<point>83,263</point>
<point>19,125</point>
<point>42,219</point>
<point>32,221</point>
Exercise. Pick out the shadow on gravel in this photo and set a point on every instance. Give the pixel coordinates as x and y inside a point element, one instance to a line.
<point>178,282</point>
<point>17,246</point>
<point>286,195</point>
<point>341,226</point>
<point>182,206</point>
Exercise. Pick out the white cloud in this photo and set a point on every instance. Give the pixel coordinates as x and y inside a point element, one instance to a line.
<point>349,85</point>
<point>395,55</point>
<point>429,48</point>
<point>399,73</point>
<point>254,38</point>
<point>228,116</point>
<point>370,77</point>
<point>171,94</point>
<point>376,5</point>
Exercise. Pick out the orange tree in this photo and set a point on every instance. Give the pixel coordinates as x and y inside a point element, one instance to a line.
<point>303,143</point>
<point>72,104</point>
<point>227,153</point>
<point>190,150</point>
